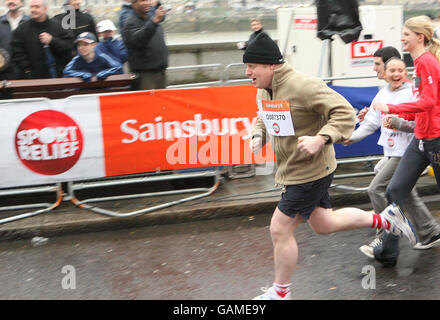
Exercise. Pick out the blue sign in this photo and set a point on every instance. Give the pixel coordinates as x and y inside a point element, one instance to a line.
<point>359,97</point>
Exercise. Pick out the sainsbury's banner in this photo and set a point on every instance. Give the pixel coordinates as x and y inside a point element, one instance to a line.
<point>87,137</point>
<point>177,129</point>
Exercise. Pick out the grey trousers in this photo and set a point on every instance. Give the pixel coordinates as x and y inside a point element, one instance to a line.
<point>417,212</point>
<point>148,80</point>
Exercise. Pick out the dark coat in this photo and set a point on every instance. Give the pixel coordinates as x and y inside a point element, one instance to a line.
<point>28,53</point>
<point>5,31</point>
<point>145,42</point>
<point>6,70</point>
<point>5,39</point>
<point>125,13</point>
<point>6,73</point>
<point>84,22</point>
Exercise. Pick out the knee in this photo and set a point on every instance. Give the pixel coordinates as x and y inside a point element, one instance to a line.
<point>392,193</point>
<point>372,192</point>
<point>277,231</point>
<point>281,232</point>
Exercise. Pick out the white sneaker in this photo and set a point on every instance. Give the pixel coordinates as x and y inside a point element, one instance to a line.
<point>399,224</point>
<point>368,250</point>
<point>431,243</point>
<point>271,294</point>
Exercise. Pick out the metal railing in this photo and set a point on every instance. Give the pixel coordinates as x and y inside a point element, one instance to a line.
<point>199,67</point>
<point>46,207</point>
<point>87,185</point>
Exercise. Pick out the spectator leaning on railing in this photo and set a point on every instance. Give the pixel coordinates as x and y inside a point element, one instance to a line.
<point>89,62</point>
<point>40,47</point>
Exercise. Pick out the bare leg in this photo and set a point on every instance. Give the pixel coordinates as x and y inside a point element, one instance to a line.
<point>326,221</point>
<point>284,243</point>
<point>322,221</point>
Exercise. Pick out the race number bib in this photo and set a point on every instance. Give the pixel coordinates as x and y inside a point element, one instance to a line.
<point>393,139</point>
<point>276,117</point>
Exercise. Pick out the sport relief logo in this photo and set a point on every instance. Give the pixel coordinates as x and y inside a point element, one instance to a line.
<point>48,142</point>
<point>276,127</point>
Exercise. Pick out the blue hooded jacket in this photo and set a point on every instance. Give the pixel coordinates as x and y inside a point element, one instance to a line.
<point>114,48</point>
<point>102,66</point>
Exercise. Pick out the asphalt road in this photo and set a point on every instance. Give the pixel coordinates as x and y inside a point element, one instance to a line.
<point>221,259</point>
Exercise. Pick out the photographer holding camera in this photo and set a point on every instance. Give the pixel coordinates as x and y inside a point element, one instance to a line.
<point>144,39</point>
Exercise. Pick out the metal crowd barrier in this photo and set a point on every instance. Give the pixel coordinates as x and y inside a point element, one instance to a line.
<point>87,203</point>
<point>73,187</point>
<point>46,207</point>
<point>198,67</point>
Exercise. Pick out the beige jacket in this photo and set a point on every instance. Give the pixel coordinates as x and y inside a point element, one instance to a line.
<point>316,110</point>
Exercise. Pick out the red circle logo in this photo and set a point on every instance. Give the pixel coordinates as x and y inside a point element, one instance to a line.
<point>390,142</point>
<point>48,142</point>
<point>276,127</point>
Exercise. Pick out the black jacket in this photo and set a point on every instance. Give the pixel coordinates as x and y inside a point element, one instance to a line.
<point>5,31</point>
<point>6,73</point>
<point>84,22</point>
<point>252,37</point>
<point>145,43</point>
<point>28,53</point>
<point>6,70</point>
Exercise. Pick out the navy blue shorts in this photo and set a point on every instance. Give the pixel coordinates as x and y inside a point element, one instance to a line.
<point>304,198</point>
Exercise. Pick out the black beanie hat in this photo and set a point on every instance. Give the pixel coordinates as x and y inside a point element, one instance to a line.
<point>263,50</point>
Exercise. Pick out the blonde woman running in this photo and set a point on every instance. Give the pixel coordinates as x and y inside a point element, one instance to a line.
<point>424,149</point>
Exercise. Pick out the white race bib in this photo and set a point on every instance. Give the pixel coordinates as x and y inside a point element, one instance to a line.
<point>393,139</point>
<point>276,117</point>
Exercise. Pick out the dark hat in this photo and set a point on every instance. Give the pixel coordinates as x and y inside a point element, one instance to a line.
<point>86,37</point>
<point>262,49</point>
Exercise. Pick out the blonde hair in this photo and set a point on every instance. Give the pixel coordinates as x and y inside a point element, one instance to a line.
<point>424,26</point>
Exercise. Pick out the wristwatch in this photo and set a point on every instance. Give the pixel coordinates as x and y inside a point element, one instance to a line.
<point>326,137</point>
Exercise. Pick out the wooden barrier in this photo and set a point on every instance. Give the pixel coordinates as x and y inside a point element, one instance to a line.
<point>59,88</point>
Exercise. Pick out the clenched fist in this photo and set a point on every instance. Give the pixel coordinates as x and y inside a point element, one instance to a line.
<point>311,145</point>
<point>256,144</point>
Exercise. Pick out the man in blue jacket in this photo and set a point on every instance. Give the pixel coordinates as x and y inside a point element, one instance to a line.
<point>108,44</point>
<point>89,63</point>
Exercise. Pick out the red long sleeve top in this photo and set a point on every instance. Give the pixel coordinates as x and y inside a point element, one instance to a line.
<point>426,89</point>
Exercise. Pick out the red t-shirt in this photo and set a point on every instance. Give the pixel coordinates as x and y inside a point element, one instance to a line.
<point>426,89</point>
